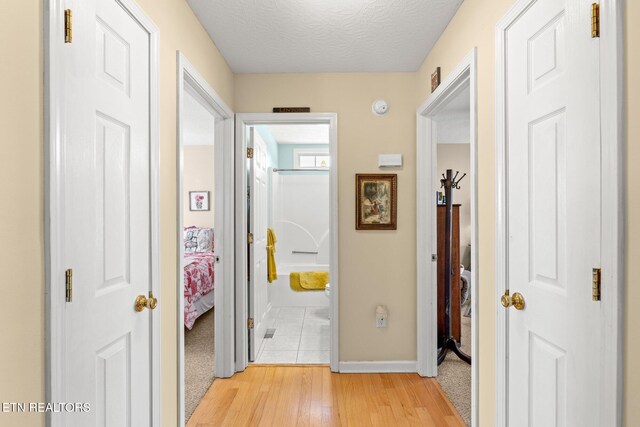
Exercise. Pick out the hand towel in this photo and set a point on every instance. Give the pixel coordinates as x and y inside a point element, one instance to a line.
<point>272,274</point>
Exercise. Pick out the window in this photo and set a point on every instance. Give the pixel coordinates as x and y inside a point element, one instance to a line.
<point>316,159</point>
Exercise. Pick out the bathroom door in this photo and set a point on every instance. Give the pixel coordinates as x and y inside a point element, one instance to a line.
<point>553,216</point>
<point>258,222</point>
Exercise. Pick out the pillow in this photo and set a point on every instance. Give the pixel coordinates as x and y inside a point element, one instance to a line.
<point>198,240</point>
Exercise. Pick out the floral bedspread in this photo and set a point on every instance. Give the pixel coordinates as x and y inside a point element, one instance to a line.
<point>198,281</point>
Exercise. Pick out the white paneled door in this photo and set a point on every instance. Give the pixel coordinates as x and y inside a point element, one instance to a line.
<point>106,216</point>
<point>258,223</point>
<point>554,215</point>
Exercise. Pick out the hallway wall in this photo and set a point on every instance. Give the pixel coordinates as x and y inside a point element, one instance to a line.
<point>632,194</point>
<point>376,267</point>
<point>22,299</point>
<point>21,216</point>
<point>463,33</point>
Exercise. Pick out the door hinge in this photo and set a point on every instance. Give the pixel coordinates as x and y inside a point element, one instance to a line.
<point>68,26</point>
<point>434,257</point>
<point>250,238</point>
<point>250,323</point>
<point>596,281</point>
<point>249,153</point>
<point>595,20</point>
<point>68,285</point>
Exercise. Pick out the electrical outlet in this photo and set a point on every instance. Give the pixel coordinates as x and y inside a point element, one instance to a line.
<point>381,316</point>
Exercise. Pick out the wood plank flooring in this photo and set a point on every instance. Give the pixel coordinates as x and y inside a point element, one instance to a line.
<point>297,395</point>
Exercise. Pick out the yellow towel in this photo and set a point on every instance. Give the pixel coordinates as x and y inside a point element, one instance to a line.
<point>272,274</point>
<point>309,280</point>
<point>294,282</point>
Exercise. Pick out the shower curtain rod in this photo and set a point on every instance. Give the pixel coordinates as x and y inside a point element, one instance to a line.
<point>300,170</point>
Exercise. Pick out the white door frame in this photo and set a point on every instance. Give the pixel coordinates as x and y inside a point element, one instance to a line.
<point>224,224</point>
<point>613,237</point>
<point>242,120</point>
<point>54,210</point>
<point>461,78</point>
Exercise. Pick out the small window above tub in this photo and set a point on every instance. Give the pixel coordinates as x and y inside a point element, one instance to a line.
<point>311,159</point>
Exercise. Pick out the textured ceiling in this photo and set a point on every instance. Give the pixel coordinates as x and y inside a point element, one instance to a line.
<point>299,134</point>
<point>324,35</point>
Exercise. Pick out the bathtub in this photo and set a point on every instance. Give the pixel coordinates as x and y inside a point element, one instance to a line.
<point>280,293</point>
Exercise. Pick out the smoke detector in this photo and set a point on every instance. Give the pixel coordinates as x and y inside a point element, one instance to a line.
<point>380,107</point>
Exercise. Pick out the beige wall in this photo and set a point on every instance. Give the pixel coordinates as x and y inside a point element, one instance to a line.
<point>198,176</point>
<point>376,267</point>
<point>458,158</point>
<point>21,212</point>
<point>463,33</point>
<point>383,270</point>
<point>632,130</point>
<point>21,164</point>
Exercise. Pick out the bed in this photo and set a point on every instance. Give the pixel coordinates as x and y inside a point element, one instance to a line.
<point>199,273</point>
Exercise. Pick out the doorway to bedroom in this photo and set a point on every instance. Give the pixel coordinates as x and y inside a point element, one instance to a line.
<point>290,224</point>
<point>198,260</point>
<point>204,237</point>
<point>448,238</point>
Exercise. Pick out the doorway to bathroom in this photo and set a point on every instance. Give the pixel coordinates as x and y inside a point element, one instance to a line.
<point>287,292</point>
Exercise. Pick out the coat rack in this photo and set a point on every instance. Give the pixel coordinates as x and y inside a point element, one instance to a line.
<point>449,183</point>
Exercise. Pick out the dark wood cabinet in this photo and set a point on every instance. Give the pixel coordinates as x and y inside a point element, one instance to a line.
<point>455,265</point>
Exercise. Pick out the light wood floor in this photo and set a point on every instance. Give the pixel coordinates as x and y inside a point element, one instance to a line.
<point>313,396</point>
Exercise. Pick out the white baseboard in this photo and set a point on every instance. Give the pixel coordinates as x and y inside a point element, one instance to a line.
<point>374,367</point>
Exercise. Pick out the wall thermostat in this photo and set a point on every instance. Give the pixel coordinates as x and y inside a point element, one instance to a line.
<point>380,107</point>
<point>389,160</point>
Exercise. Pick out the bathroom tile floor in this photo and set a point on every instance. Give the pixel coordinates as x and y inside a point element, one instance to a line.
<point>301,336</point>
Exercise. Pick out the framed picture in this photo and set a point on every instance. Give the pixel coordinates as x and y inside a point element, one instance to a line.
<point>199,201</point>
<point>435,79</point>
<point>376,201</point>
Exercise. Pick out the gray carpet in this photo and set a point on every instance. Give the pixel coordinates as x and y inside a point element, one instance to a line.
<point>199,361</point>
<point>454,375</point>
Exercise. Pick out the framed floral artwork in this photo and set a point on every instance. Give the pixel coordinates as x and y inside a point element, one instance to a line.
<point>376,201</point>
<point>199,201</point>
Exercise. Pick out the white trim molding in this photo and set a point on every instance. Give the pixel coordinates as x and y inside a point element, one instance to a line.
<point>378,367</point>
<point>242,121</point>
<point>461,78</point>
<point>53,35</point>
<point>613,233</point>
<point>189,79</point>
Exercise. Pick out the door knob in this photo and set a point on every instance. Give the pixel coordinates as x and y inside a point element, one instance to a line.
<point>143,302</point>
<point>516,300</point>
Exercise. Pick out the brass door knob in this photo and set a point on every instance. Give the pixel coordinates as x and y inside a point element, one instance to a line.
<point>143,302</point>
<point>516,300</point>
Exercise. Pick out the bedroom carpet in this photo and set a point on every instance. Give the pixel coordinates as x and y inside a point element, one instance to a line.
<point>199,361</point>
<point>454,375</point>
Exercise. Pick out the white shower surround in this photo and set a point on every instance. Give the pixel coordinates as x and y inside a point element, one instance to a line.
<point>300,218</point>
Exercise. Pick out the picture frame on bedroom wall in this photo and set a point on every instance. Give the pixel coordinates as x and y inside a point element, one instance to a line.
<point>199,201</point>
<point>376,201</point>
